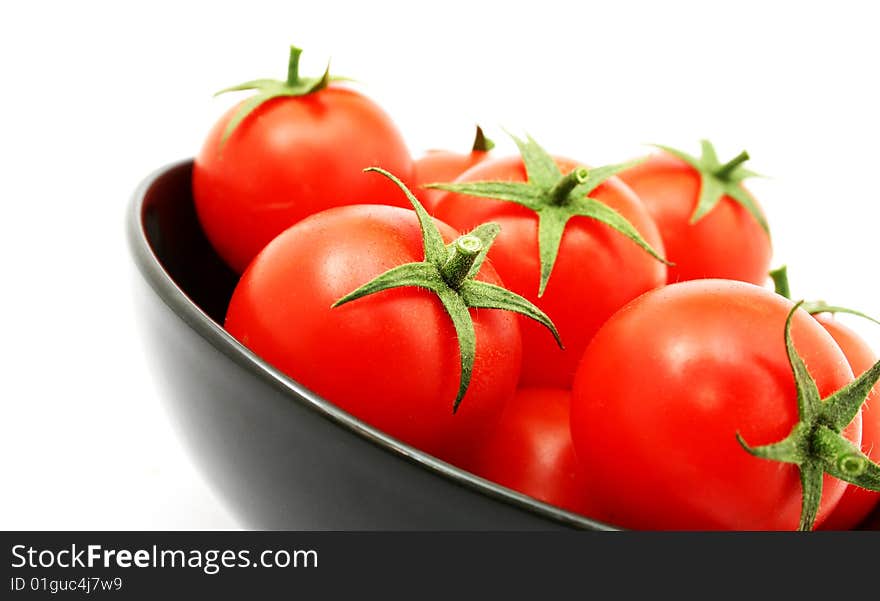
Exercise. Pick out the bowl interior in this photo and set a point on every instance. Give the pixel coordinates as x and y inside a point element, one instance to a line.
<point>176,238</point>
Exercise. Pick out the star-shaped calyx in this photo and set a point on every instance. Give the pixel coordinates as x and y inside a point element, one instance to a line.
<point>267,89</point>
<point>555,198</point>
<point>449,271</point>
<point>815,444</point>
<point>718,180</point>
<point>780,282</point>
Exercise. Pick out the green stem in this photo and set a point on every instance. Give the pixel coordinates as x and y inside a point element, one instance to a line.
<point>465,251</point>
<point>481,142</point>
<point>816,307</point>
<point>837,453</point>
<point>559,192</point>
<point>780,281</point>
<point>727,168</point>
<point>293,66</point>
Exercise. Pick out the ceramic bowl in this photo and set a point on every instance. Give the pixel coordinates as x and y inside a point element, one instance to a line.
<point>281,456</point>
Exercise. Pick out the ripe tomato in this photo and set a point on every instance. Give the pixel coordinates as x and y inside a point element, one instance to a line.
<point>292,156</point>
<point>445,166</point>
<point>530,451</point>
<point>597,269</point>
<point>666,385</point>
<point>389,358</point>
<point>726,242</point>
<point>856,503</point>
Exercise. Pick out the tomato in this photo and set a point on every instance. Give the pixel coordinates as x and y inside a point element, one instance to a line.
<point>445,166</point>
<point>390,358</point>
<point>530,451</point>
<point>666,385</point>
<point>857,502</point>
<point>728,241</point>
<point>368,307</point>
<point>290,157</point>
<point>596,271</point>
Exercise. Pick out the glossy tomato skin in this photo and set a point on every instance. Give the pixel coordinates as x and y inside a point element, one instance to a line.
<point>530,451</point>
<point>597,270</point>
<point>290,158</point>
<point>856,503</point>
<point>390,358</point>
<point>726,243</point>
<point>438,166</point>
<point>665,386</point>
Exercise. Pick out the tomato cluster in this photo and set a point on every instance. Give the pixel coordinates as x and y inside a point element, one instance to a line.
<point>600,338</point>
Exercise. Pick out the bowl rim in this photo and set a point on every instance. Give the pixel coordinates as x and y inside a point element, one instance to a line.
<point>185,308</point>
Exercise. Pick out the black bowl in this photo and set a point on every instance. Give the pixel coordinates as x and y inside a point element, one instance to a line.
<point>281,456</point>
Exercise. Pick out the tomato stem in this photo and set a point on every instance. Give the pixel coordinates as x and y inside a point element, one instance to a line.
<point>464,252</point>
<point>559,193</point>
<point>293,66</point>
<point>718,181</point>
<point>838,454</point>
<point>727,168</point>
<point>449,271</point>
<point>816,443</point>
<point>267,89</point>
<point>555,198</point>
<point>481,142</point>
<point>780,281</point>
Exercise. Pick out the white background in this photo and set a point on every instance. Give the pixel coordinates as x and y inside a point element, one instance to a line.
<point>95,96</point>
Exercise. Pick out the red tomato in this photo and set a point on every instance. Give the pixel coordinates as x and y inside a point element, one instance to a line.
<point>856,503</point>
<point>666,385</point>
<point>530,451</point>
<point>291,157</point>
<point>728,242</point>
<point>597,270</point>
<point>444,166</point>
<point>390,358</point>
